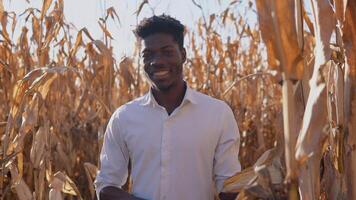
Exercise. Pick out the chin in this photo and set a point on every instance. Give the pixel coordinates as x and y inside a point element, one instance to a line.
<point>162,87</point>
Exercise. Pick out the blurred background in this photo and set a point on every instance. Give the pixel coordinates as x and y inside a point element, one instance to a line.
<point>286,68</point>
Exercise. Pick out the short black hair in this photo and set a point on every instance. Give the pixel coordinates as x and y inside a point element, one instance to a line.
<point>161,24</point>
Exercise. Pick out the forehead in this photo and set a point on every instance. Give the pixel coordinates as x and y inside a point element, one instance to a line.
<point>159,40</point>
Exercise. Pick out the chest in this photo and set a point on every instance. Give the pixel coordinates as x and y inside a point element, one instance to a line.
<point>186,132</point>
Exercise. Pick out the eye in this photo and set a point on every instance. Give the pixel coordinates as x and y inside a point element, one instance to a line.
<point>146,55</point>
<point>168,52</point>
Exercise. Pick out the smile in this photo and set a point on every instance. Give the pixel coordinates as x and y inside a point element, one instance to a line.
<point>161,74</point>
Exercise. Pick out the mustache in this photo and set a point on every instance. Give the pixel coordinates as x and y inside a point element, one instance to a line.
<point>156,68</point>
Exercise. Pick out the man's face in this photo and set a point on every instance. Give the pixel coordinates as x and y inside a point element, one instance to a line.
<point>163,60</point>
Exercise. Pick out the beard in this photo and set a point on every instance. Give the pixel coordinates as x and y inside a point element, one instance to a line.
<point>165,85</point>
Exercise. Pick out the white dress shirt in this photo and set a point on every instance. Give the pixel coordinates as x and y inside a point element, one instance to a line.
<point>183,156</point>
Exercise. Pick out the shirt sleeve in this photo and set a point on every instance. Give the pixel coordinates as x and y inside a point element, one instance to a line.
<point>114,157</point>
<point>226,161</point>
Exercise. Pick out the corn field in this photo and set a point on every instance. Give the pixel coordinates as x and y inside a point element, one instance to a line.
<point>290,80</point>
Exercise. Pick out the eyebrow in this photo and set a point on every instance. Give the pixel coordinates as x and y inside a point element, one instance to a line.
<point>167,46</point>
<point>164,47</point>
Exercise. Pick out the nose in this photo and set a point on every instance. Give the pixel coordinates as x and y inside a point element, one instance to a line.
<point>157,60</point>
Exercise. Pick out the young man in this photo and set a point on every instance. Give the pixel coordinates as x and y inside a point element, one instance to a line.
<point>182,144</point>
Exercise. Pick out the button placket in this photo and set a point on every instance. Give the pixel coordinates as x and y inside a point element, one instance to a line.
<point>165,157</point>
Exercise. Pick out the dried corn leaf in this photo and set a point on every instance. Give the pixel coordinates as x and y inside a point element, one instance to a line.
<point>349,40</point>
<point>1,9</point>
<point>137,13</point>
<point>340,9</point>
<point>56,186</point>
<point>350,155</point>
<point>36,35</point>
<point>13,24</point>
<point>324,26</point>
<point>331,182</point>
<point>90,171</point>
<point>40,182</point>
<point>312,137</point>
<point>285,43</point>
<point>85,30</point>
<point>105,30</point>
<point>102,48</point>
<point>293,110</point>
<point>43,82</point>
<point>299,22</point>
<point>308,21</point>
<point>55,195</point>
<point>3,31</point>
<point>125,66</point>
<point>239,181</point>
<point>63,157</point>
<point>226,12</point>
<point>259,179</point>
<point>68,186</point>
<point>349,37</point>
<point>335,102</point>
<point>38,145</point>
<point>309,178</point>
<point>22,190</point>
<point>56,183</point>
<point>313,134</point>
<point>281,39</point>
<point>20,88</point>
<point>29,120</point>
<point>20,164</point>
<point>45,7</point>
<point>50,35</point>
<point>315,114</point>
<point>112,13</point>
<point>30,116</point>
<point>77,44</point>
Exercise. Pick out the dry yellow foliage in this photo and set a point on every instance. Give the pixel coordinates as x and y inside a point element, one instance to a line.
<point>292,89</point>
<point>319,120</point>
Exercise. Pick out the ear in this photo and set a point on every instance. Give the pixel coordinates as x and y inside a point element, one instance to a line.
<point>184,55</point>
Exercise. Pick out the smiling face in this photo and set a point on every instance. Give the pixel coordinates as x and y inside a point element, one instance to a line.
<point>163,61</point>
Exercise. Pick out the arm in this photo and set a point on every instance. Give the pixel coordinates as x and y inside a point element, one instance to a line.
<point>114,158</point>
<point>114,193</point>
<point>226,161</point>
<point>228,196</point>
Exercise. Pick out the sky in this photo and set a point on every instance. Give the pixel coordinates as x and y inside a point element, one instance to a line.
<point>86,13</point>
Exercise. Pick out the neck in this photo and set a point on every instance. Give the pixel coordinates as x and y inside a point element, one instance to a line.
<point>170,99</point>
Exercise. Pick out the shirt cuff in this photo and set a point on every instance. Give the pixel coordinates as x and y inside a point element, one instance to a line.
<point>99,186</point>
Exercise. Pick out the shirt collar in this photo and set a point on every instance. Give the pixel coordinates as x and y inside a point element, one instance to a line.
<point>189,96</point>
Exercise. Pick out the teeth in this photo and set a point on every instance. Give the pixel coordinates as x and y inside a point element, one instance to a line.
<point>160,73</point>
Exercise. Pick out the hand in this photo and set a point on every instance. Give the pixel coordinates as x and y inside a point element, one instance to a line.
<point>228,196</point>
<point>114,193</point>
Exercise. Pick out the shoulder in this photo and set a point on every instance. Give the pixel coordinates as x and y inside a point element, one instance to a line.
<point>209,101</point>
<point>128,107</point>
